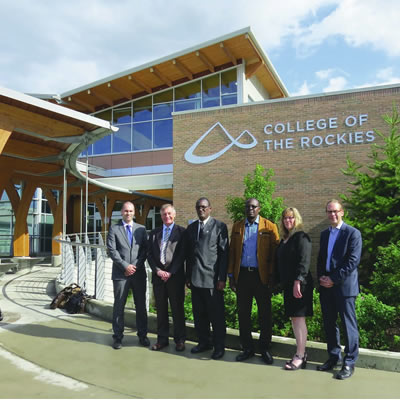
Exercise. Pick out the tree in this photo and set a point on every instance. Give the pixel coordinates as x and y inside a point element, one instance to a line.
<point>259,186</point>
<point>374,203</point>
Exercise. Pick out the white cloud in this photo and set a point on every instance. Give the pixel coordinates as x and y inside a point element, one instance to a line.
<point>336,84</point>
<point>384,76</point>
<point>361,23</point>
<point>304,90</point>
<point>324,74</point>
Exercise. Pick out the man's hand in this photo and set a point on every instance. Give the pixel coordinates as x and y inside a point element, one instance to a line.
<point>221,285</point>
<point>130,270</point>
<point>164,275</point>
<point>232,283</point>
<point>326,282</point>
<point>297,289</point>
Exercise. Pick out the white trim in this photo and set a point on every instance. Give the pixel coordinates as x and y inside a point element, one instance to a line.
<point>24,98</point>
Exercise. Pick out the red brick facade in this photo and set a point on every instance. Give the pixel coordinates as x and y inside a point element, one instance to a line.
<point>307,172</point>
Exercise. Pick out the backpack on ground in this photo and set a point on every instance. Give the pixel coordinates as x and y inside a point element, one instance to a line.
<point>72,298</point>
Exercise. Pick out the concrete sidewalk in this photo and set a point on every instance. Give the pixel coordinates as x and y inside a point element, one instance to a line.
<point>49,354</point>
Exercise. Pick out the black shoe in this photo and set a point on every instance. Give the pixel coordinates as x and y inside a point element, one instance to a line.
<point>266,357</point>
<point>1,316</point>
<point>117,344</point>
<point>291,366</point>
<point>180,346</point>
<point>158,346</point>
<point>144,341</point>
<point>345,372</point>
<point>244,355</point>
<point>327,365</point>
<point>200,348</point>
<point>218,353</point>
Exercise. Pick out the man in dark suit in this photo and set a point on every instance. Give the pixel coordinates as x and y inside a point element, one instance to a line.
<point>166,257</point>
<point>251,268</point>
<point>206,263</point>
<point>127,247</point>
<point>337,269</point>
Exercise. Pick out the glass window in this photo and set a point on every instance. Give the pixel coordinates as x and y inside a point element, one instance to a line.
<point>142,110</point>
<point>162,110</point>
<point>142,136</point>
<point>211,91</point>
<point>106,115</point>
<point>122,115</point>
<point>122,139</point>
<point>187,105</point>
<point>163,134</point>
<point>102,146</point>
<point>46,207</point>
<point>189,91</point>
<point>229,99</point>
<point>163,97</point>
<point>229,82</point>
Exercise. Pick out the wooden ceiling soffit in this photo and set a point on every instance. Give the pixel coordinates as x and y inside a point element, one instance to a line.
<point>251,69</point>
<point>208,64</point>
<point>28,121</point>
<point>160,76</point>
<point>185,71</point>
<point>256,52</point>
<point>4,138</point>
<point>139,83</point>
<point>228,53</point>
<point>28,149</point>
<point>117,87</point>
<point>93,92</point>
<point>81,103</point>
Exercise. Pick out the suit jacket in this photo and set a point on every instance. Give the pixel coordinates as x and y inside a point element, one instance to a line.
<point>293,260</point>
<point>267,242</point>
<point>345,259</point>
<point>122,252</point>
<point>207,258</point>
<point>175,254</point>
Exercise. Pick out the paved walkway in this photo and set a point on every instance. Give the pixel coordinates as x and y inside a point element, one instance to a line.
<point>49,354</point>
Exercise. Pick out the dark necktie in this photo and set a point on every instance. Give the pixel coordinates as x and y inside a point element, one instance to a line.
<point>201,231</point>
<point>129,233</point>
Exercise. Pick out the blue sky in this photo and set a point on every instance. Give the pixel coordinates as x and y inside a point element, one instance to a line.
<point>316,46</point>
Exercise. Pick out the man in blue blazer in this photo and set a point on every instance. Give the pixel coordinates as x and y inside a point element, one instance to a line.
<point>127,247</point>
<point>337,269</point>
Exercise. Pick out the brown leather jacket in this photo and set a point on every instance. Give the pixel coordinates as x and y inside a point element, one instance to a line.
<point>267,242</point>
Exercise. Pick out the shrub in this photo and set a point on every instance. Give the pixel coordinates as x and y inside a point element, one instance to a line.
<point>385,282</point>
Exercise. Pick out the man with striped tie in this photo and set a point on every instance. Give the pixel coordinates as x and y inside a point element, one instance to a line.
<point>127,247</point>
<point>166,257</point>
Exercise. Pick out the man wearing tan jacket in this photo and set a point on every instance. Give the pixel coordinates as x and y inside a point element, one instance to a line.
<point>250,271</point>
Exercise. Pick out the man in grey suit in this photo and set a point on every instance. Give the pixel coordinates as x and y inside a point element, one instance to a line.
<point>166,257</point>
<point>206,268</point>
<point>127,247</point>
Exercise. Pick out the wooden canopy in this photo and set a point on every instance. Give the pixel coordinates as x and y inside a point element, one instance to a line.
<point>229,50</point>
<point>38,141</point>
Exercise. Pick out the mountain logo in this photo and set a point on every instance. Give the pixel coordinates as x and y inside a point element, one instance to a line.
<point>193,159</point>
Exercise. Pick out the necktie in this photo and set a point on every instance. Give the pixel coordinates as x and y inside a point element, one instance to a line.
<point>129,233</point>
<point>201,229</point>
<point>164,245</point>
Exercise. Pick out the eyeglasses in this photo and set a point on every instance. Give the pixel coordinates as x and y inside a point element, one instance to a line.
<point>251,206</point>
<point>201,207</point>
<point>288,218</point>
<point>333,211</point>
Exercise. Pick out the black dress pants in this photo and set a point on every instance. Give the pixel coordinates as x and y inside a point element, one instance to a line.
<point>209,308</point>
<point>136,282</point>
<point>174,291</point>
<point>249,286</point>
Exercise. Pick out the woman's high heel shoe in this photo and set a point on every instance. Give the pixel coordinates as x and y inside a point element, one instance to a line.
<point>290,366</point>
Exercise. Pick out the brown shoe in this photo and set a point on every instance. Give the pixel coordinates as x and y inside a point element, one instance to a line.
<point>158,346</point>
<point>180,346</point>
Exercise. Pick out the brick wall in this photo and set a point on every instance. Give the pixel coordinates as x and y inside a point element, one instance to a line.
<point>306,177</point>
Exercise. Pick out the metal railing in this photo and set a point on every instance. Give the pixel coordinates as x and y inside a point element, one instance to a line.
<point>85,262</point>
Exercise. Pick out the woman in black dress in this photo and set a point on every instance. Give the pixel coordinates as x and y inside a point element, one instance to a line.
<point>293,267</point>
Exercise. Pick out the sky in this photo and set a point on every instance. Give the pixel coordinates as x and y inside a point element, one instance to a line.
<point>316,46</point>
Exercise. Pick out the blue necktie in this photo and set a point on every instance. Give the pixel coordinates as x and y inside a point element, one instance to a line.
<point>129,233</point>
